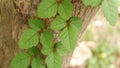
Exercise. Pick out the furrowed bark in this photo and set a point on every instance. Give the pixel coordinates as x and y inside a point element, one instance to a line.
<point>15,15</point>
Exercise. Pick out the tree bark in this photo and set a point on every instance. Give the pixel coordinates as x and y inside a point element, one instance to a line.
<point>15,15</point>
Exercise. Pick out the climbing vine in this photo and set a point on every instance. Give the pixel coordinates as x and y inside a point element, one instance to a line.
<point>55,16</point>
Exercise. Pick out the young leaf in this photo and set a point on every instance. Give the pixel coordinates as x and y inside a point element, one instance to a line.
<point>70,34</point>
<point>33,51</point>
<point>36,24</point>
<point>65,9</point>
<point>37,63</point>
<point>28,39</point>
<point>46,40</point>
<point>54,60</point>
<point>93,3</point>
<point>21,60</point>
<point>58,23</point>
<point>47,9</point>
<point>61,49</point>
<point>109,8</point>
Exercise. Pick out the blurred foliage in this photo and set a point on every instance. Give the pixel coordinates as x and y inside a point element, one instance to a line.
<point>103,56</point>
<point>87,36</point>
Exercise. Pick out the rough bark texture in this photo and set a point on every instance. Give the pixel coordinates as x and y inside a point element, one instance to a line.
<point>15,14</point>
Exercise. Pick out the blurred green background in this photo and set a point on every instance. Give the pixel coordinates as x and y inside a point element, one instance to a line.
<point>100,46</point>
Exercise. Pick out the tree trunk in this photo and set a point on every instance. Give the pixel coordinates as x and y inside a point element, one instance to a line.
<point>15,14</point>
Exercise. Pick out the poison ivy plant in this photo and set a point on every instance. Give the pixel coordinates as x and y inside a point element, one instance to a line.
<point>36,24</point>
<point>37,63</point>
<point>70,34</point>
<point>65,9</point>
<point>57,21</point>
<point>21,60</point>
<point>109,8</point>
<point>28,39</point>
<point>61,49</point>
<point>49,8</point>
<point>46,40</point>
<point>54,60</point>
<point>33,51</point>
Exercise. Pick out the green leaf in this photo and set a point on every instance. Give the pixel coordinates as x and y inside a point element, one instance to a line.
<point>46,40</point>
<point>69,37</point>
<point>33,51</point>
<point>37,63</point>
<point>70,34</point>
<point>54,60</point>
<point>61,49</point>
<point>109,8</point>
<point>36,24</point>
<point>21,60</point>
<point>65,9</point>
<point>28,39</point>
<point>47,8</point>
<point>93,3</point>
<point>76,22</point>
<point>58,23</point>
